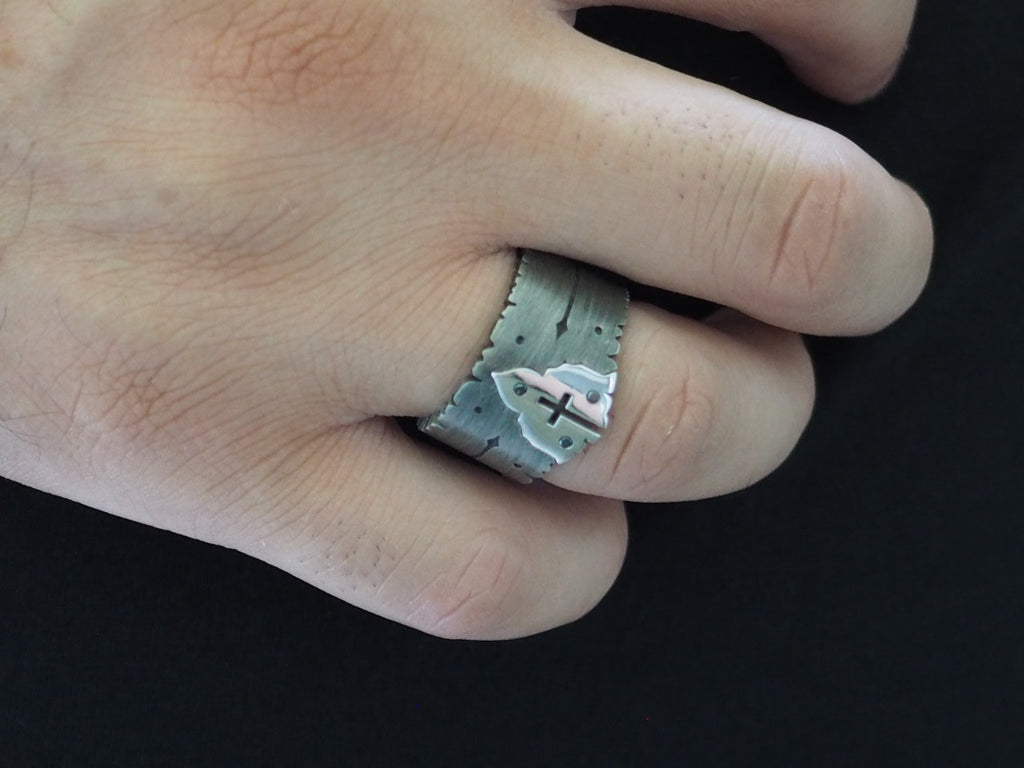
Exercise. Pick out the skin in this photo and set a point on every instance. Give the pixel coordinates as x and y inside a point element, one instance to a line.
<point>237,236</point>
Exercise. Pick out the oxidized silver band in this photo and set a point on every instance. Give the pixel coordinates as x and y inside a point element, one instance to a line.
<point>543,390</point>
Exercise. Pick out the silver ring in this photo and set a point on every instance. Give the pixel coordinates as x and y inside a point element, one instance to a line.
<point>543,390</point>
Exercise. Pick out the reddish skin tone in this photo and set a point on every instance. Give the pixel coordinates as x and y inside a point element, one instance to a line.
<point>225,228</point>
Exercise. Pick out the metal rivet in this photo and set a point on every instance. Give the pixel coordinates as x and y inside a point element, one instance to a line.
<point>520,389</point>
<point>565,443</point>
<point>593,397</point>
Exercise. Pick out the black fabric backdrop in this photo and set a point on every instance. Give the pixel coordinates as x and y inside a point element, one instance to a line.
<point>861,607</point>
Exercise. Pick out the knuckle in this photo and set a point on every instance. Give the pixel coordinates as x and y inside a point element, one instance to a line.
<point>812,227</point>
<point>475,594</point>
<point>674,428</point>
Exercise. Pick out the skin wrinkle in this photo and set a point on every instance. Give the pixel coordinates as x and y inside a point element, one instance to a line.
<point>816,268</point>
<point>129,401</point>
<point>715,229</point>
<point>730,227</point>
<point>387,307</point>
<point>823,194</point>
<point>9,419</point>
<point>690,421</point>
<point>7,424</point>
<point>243,251</point>
<point>284,57</point>
<point>455,587</point>
<point>783,251</point>
<point>455,600</point>
<point>747,229</point>
<point>48,417</point>
<point>293,512</point>
<point>452,614</point>
<point>205,462</point>
<point>464,601</point>
<point>363,554</point>
<point>19,228</point>
<point>238,260</point>
<point>124,398</point>
<point>288,501</point>
<point>130,396</point>
<point>218,466</point>
<point>231,244</point>
<point>402,562</point>
<point>627,445</point>
<point>63,17</point>
<point>674,421</point>
<point>160,409</point>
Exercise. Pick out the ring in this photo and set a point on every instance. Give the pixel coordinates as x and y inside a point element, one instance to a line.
<point>543,390</point>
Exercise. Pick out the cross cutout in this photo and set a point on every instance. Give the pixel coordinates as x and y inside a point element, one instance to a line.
<point>561,410</point>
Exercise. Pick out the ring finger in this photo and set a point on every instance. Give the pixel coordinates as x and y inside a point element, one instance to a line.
<point>701,408</point>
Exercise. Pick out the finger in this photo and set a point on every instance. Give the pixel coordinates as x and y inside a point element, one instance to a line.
<point>700,410</point>
<point>848,50</point>
<point>692,188</point>
<point>407,533</point>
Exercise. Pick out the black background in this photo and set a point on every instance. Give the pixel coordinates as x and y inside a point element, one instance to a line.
<point>864,606</point>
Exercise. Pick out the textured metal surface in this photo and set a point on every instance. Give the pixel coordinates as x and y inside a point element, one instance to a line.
<point>543,390</point>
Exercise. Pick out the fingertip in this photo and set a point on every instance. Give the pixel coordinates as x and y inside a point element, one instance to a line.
<point>838,80</point>
<point>906,250</point>
<point>849,54</point>
<point>923,242</point>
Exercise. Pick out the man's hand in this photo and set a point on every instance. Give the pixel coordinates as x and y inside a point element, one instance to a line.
<point>237,236</point>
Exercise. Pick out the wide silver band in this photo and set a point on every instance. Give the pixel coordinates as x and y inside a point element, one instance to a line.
<point>543,390</point>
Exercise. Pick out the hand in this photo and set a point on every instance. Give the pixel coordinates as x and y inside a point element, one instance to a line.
<point>235,237</point>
